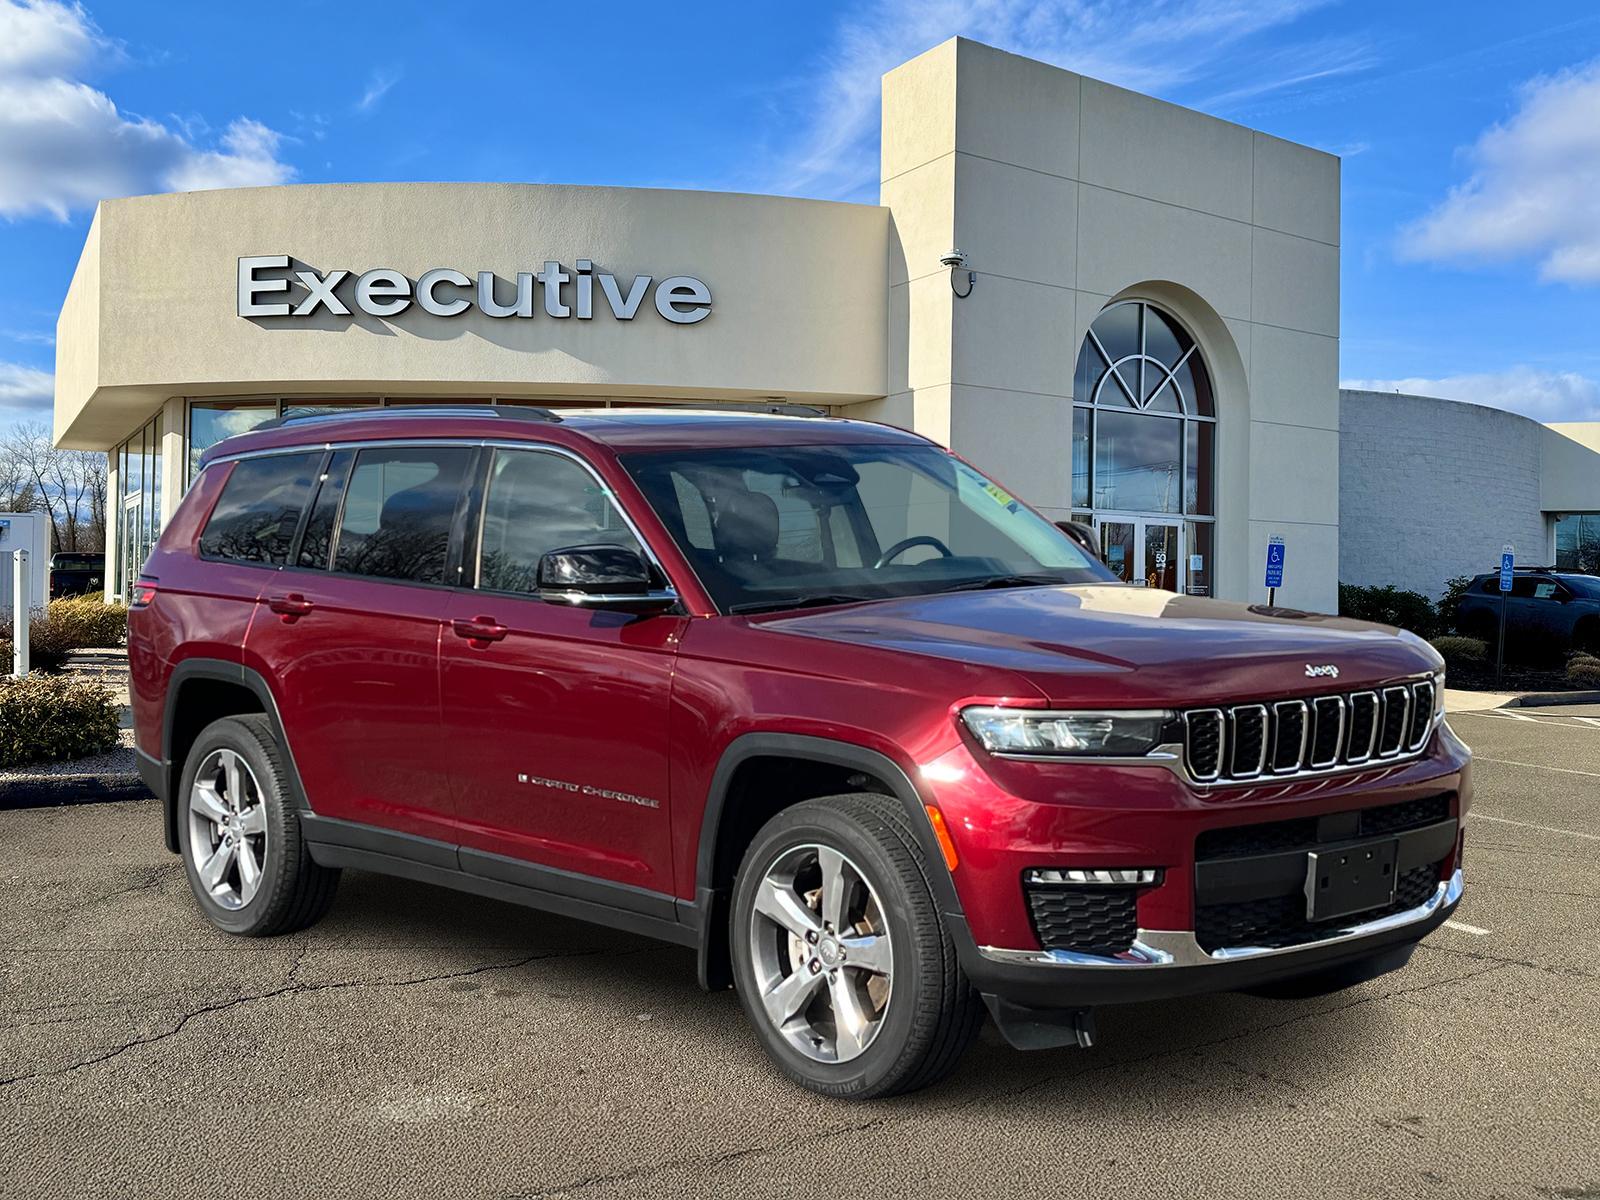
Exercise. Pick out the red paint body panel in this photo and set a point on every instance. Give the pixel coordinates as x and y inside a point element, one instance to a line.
<point>589,741</point>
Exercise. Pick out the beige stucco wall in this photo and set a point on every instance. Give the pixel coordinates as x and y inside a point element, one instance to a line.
<point>798,295</point>
<point>1569,467</point>
<point>1066,194</point>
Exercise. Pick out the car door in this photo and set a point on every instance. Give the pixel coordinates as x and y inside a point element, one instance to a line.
<point>555,716</point>
<point>348,634</point>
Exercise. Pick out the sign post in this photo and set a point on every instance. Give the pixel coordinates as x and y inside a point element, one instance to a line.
<point>1508,567</point>
<point>1275,550</point>
<point>19,612</point>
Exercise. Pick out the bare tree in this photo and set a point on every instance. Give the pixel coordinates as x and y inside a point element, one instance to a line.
<point>68,485</point>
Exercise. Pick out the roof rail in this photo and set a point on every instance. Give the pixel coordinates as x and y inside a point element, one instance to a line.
<point>774,408</point>
<point>518,412</point>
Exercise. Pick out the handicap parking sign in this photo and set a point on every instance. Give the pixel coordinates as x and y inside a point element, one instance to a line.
<point>1275,550</point>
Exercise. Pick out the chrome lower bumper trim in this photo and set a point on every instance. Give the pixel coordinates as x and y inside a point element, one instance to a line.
<point>1178,948</point>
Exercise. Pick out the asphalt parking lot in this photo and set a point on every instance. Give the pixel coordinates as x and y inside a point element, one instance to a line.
<point>422,1043</point>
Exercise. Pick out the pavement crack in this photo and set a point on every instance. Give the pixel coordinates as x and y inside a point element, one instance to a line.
<point>1480,956</point>
<point>298,989</point>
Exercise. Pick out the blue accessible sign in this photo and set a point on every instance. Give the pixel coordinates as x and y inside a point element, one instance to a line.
<point>1508,558</point>
<point>1275,562</point>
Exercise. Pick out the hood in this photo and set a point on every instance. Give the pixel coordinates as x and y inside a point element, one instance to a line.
<point>1127,645</point>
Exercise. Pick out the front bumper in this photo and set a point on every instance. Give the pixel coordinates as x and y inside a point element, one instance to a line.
<point>1166,963</point>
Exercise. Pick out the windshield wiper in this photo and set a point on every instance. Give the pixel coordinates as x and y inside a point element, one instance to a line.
<point>813,600</point>
<point>1008,581</point>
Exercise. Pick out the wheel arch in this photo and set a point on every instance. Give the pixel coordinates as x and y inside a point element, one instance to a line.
<point>726,829</point>
<point>201,691</point>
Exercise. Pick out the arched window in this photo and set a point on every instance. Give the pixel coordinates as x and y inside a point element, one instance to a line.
<point>1143,447</point>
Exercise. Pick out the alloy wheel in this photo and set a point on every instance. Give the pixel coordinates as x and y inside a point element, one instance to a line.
<point>227,829</point>
<point>822,953</point>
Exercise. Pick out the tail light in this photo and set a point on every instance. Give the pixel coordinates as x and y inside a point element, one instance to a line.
<point>143,593</point>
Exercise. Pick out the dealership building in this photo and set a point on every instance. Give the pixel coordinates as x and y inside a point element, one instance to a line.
<point>1141,329</point>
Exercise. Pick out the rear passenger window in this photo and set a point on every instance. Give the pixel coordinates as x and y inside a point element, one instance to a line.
<point>256,515</point>
<point>538,502</point>
<point>398,508</point>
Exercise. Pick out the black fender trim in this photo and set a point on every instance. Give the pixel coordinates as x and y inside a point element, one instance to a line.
<point>170,773</point>
<point>712,902</point>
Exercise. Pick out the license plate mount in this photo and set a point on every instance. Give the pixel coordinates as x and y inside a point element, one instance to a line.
<point>1350,879</point>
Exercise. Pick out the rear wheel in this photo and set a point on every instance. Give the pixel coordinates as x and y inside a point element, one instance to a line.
<point>239,833</point>
<point>840,959</point>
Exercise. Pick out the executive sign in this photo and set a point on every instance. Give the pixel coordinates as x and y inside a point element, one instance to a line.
<point>265,282</point>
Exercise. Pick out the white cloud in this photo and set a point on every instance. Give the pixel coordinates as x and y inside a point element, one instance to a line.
<point>1154,46</point>
<point>378,85</point>
<point>25,387</point>
<point>1542,395</point>
<point>64,145</point>
<point>1534,190</point>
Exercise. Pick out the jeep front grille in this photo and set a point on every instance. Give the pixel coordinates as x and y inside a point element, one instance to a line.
<point>1284,738</point>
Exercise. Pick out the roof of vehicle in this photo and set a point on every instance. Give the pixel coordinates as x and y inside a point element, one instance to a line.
<point>622,429</point>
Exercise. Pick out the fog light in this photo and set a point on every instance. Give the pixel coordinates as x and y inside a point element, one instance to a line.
<point>1095,876</point>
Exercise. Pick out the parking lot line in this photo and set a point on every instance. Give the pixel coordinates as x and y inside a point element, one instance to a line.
<point>1511,762</point>
<point>1478,816</point>
<point>1465,928</point>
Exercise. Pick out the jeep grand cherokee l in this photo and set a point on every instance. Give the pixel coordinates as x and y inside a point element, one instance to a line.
<point>811,696</point>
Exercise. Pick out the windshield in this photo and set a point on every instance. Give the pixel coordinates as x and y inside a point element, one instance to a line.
<point>786,526</point>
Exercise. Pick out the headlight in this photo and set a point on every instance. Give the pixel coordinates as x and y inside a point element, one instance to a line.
<point>1087,734</point>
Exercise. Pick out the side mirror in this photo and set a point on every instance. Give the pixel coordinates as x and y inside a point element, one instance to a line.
<point>612,577</point>
<point>1083,536</point>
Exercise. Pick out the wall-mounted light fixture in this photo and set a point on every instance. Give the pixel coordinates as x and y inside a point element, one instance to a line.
<point>957,262</point>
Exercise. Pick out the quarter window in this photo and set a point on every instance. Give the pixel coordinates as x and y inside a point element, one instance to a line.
<point>256,515</point>
<point>399,505</point>
<point>537,502</point>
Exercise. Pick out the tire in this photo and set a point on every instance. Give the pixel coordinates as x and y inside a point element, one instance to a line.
<point>1335,979</point>
<point>290,891</point>
<point>929,1012</point>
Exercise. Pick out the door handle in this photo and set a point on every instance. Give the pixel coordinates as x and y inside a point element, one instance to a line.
<point>478,629</point>
<point>291,607</point>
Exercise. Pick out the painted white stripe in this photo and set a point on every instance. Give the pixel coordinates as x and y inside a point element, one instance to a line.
<point>1475,815</point>
<point>1465,928</point>
<point>1551,720</point>
<point>1511,762</point>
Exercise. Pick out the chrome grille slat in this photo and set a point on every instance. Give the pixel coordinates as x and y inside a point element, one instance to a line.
<point>1289,739</point>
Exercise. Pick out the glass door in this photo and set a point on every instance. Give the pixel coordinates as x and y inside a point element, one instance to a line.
<point>1119,547</point>
<point>1160,555</point>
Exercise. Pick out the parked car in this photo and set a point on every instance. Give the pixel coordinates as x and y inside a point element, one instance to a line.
<point>1547,613</point>
<point>812,696</point>
<point>76,573</point>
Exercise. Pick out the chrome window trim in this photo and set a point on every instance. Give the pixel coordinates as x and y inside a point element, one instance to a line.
<point>528,444</point>
<point>1154,948</point>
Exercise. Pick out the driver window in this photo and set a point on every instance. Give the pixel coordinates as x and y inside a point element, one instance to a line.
<point>537,502</point>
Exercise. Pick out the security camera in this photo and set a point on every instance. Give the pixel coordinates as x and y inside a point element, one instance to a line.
<point>953,258</point>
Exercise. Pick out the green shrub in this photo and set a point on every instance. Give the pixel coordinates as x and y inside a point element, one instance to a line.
<point>47,649</point>
<point>1389,605</point>
<point>1454,589</point>
<point>1461,649</point>
<point>88,622</point>
<point>1583,671</point>
<point>45,718</point>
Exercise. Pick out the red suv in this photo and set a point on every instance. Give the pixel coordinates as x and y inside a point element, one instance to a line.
<point>812,696</point>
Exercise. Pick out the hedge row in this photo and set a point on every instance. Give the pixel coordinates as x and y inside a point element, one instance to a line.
<point>72,623</point>
<point>45,718</point>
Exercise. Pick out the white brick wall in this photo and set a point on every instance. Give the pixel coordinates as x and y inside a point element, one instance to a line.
<point>1430,489</point>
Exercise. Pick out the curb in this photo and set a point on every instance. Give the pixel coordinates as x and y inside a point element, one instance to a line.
<point>1550,699</point>
<point>48,791</point>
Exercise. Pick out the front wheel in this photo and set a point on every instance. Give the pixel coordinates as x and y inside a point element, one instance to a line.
<point>840,959</point>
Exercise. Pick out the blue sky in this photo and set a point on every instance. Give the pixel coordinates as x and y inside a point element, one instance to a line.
<point>1470,133</point>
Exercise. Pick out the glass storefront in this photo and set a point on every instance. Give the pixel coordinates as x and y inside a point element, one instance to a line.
<point>1143,448</point>
<point>1578,542</point>
<point>138,519</point>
